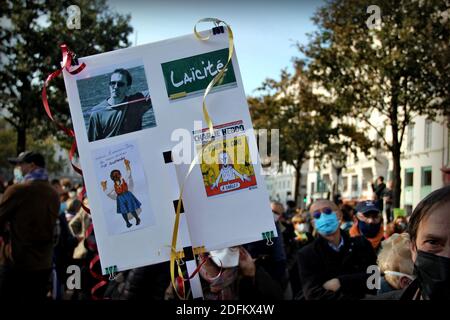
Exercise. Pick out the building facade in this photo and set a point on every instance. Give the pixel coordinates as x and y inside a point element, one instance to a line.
<point>424,158</point>
<point>281,185</point>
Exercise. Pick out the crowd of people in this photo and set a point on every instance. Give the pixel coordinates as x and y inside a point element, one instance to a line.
<point>325,252</point>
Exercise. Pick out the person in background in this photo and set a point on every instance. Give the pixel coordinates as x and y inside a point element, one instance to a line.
<point>72,209</point>
<point>290,211</point>
<point>395,262</point>
<point>302,236</point>
<point>232,274</point>
<point>28,214</point>
<point>347,217</point>
<point>388,196</point>
<point>368,223</point>
<point>399,225</point>
<point>147,283</point>
<point>57,186</point>
<point>273,258</point>
<point>334,265</point>
<point>429,230</point>
<point>299,239</point>
<point>378,188</point>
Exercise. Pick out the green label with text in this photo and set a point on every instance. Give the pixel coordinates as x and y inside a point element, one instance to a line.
<point>192,75</point>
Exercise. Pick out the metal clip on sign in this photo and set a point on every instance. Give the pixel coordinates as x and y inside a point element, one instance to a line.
<point>268,236</point>
<point>111,271</point>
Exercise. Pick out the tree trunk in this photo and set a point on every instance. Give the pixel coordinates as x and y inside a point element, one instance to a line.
<point>397,181</point>
<point>298,176</point>
<point>396,145</point>
<point>21,139</point>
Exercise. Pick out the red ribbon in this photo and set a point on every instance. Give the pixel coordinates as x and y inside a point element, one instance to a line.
<point>66,64</point>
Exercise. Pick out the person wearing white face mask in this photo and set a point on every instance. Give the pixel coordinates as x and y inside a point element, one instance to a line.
<point>232,274</point>
<point>395,263</point>
<point>301,230</point>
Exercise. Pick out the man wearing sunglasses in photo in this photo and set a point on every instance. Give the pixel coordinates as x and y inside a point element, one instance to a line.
<point>368,223</point>
<point>334,265</point>
<point>120,113</point>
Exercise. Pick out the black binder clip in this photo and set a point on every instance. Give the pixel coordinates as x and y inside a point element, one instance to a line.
<point>74,59</point>
<point>218,30</point>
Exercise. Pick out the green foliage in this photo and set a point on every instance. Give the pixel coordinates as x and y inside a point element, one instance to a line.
<point>8,138</point>
<point>397,71</point>
<point>30,35</point>
<point>305,122</point>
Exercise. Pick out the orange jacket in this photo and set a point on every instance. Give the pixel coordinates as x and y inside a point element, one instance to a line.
<point>375,241</point>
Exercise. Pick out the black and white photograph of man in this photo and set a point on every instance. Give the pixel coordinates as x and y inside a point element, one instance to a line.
<point>123,108</point>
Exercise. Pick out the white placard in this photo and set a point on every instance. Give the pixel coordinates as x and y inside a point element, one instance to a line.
<point>136,112</point>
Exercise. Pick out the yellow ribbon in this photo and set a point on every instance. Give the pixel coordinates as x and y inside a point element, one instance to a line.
<point>221,74</point>
<point>174,255</point>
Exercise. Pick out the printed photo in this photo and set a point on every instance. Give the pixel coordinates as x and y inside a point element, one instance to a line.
<point>225,163</point>
<point>116,103</point>
<point>124,188</point>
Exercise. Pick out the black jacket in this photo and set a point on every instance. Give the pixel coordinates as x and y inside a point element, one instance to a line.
<point>318,263</point>
<point>145,283</point>
<point>408,293</point>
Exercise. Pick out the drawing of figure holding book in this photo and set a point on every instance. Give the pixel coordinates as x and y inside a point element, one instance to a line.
<point>227,171</point>
<point>121,191</point>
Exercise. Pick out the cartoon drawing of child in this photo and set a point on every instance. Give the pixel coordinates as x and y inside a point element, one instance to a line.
<point>127,203</point>
<point>227,171</point>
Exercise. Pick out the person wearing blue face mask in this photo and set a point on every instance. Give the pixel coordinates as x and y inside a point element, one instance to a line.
<point>368,223</point>
<point>333,266</point>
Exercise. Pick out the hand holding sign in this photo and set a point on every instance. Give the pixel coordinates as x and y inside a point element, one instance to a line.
<point>103,183</point>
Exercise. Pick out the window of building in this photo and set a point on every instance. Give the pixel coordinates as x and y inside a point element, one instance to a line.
<point>390,175</point>
<point>428,133</point>
<point>426,176</point>
<point>367,178</point>
<point>409,177</point>
<point>354,183</point>
<point>410,138</point>
<point>345,184</point>
<point>313,187</point>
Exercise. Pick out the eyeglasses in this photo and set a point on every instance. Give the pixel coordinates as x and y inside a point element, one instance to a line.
<point>120,84</point>
<point>317,213</point>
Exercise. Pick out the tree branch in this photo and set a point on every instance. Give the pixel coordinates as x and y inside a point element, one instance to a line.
<point>379,133</point>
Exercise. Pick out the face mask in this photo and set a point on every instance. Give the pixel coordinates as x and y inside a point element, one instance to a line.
<point>276,217</point>
<point>327,224</point>
<point>369,230</point>
<point>226,258</point>
<point>399,274</point>
<point>300,227</point>
<point>433,273</point>
<point>18,175</point>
